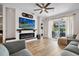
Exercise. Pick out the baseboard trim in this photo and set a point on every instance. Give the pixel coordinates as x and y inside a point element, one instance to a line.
<point>10,38</point>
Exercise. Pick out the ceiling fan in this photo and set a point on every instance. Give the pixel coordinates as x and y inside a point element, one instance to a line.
<point>43,7</point>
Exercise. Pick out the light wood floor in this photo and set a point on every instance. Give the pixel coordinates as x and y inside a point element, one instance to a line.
<point>44,47</point>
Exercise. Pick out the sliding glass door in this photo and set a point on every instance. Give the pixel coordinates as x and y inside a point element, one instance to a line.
<point>58,29</point>
<point>63,27</point>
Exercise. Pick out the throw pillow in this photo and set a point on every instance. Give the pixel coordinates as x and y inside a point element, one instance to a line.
<point>74,36</point>
<point>77,37</point>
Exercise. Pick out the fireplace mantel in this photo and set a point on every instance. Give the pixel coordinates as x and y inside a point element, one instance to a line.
<point>26,30</point>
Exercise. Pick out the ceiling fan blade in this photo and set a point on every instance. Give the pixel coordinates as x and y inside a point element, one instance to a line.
<point>38,5</point>
<point>47,4</point>
<point>40,11</point>
<point>37,9</point>
<point>50,8</point>
<point>42,4</point>
<point>46,11</point>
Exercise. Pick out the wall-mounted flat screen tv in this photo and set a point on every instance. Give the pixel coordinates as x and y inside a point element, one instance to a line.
<point>26,23</point>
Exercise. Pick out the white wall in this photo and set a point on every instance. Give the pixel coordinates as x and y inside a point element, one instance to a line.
<point>45,31</point>
<point>1,17</point>
<point>76,23</point>
<point>50,26</point>
<point>1,23</point>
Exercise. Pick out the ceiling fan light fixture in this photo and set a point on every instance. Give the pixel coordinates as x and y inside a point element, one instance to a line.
<point>43,9</point>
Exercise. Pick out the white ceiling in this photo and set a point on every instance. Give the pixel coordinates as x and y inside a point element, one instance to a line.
<point>59,7</point>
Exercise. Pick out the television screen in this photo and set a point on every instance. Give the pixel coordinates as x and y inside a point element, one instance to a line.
<point>25,23</point>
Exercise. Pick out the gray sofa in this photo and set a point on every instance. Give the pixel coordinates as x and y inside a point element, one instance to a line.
<point>15,48</point>
<point>71,49</point>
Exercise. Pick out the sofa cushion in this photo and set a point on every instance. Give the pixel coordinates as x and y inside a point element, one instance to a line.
<point>23,52</point>
<point>68,53</point>
<point>74,43</point>
<point>15,46</point>
<point>3,51</point>
<point>73,49</point>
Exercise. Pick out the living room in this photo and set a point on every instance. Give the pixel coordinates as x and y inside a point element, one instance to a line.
<point>39,29</point>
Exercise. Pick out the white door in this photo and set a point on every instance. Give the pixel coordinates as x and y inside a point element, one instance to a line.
<point>10,23</point>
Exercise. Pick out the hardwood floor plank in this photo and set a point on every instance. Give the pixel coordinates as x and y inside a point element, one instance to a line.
<point>44,47</point>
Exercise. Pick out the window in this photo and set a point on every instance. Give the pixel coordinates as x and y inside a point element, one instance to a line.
<point>63,27</point>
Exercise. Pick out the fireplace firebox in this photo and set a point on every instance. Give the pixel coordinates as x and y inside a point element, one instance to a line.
<point>26,35</point>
